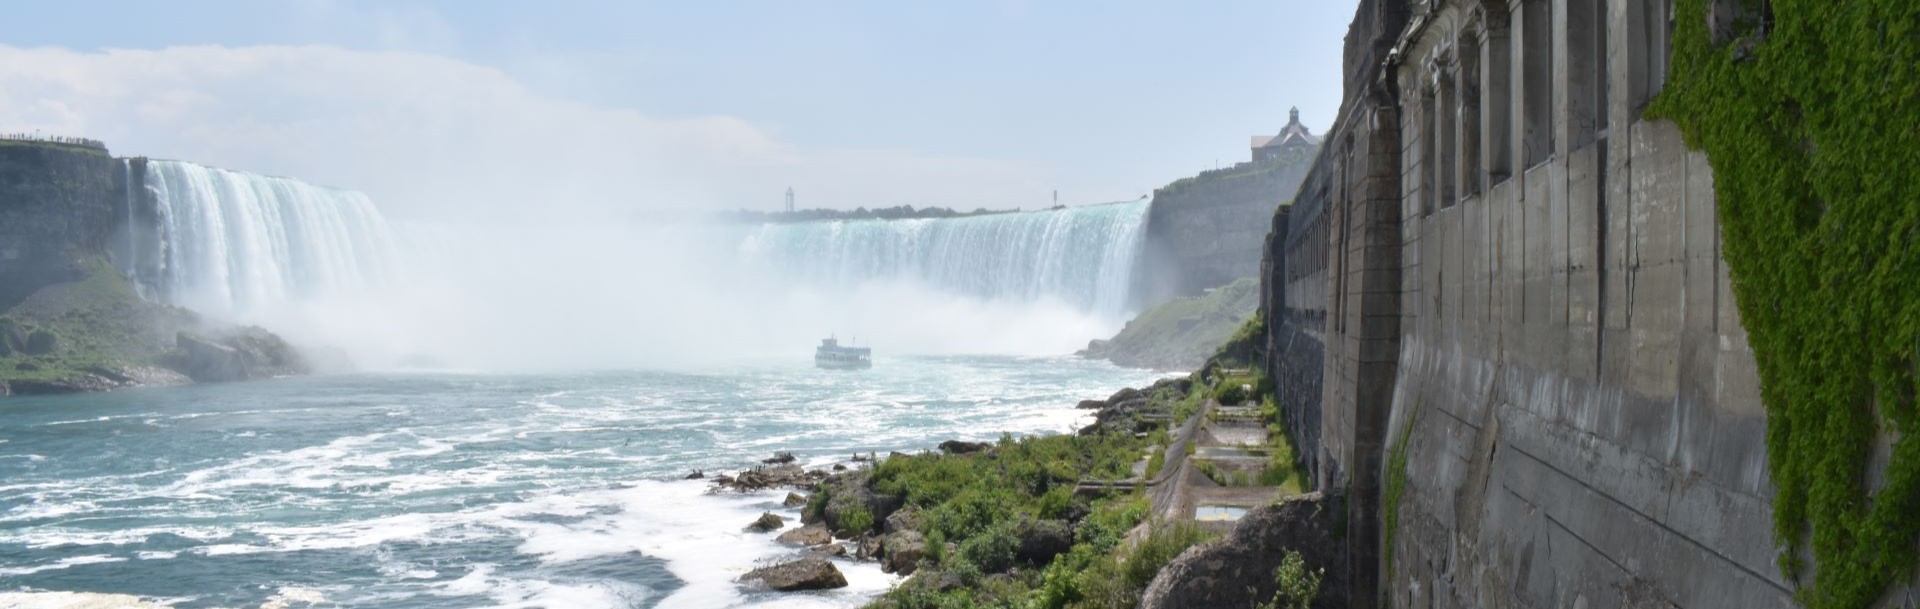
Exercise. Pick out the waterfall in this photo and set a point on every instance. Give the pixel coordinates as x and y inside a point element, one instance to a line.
<point>233,243</point>
<point>1083,256</point>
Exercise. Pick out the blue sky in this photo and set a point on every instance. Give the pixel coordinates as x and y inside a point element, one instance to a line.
<point>855,103</point>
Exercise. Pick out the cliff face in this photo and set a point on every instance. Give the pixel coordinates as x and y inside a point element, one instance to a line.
<point>56,213</point>
<point>1205,231</point>
<point>72,219</point>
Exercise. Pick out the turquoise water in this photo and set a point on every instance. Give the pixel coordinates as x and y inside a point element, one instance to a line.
<point>471,490</point>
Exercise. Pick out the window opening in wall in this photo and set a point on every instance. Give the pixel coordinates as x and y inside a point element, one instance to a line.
<point>1428,152</point>
<point>1467,87</point>
<point>1536,60</point>
<point>1444,151</point>
<point>1586,36</point>
<point>1498,97</point>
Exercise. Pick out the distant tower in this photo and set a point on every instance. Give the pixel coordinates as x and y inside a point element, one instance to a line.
<point>789,199</point>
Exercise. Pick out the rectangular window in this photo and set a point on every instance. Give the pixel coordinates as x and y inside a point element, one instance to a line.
<point>1498,97</point>
<point>1443,146</point>
<point>1536,60</point>
<point>1587,58</point>
<point>1428,155</point>
<point>1468,89</point>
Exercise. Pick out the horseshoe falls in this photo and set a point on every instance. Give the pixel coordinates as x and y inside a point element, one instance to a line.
<point>1082,256</point>
<point>235,243</point>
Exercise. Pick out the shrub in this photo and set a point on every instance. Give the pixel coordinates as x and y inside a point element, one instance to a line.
<point>857,520</point>
<point>1294,586</point>
<point>992,551</point>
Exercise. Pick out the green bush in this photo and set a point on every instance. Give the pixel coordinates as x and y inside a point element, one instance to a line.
<point>991,551</point>
<point>1295,587</point>
<point>857,520</point>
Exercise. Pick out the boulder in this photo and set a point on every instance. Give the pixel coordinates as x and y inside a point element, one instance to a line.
<point>237,355</point>
<point>903,552</point>
<point>829,549</point>
<point>794,500</point>
<point>1042,540</point>
<point>779,458</point>
<point>957,447</point>
<point>695,475</point>
<point>768,521</point>
<point>810,535</point>
<point>1236,570</point>
<point>810,573</point>
<point>870,547</point>
<point>907,519</point>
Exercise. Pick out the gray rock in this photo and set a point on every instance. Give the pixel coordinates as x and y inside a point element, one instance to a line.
<point>903,552</point>
<point>957,447</point>
<point>810,535</point>
<point>794,500</point>
<point>768,521</point>
<point>1236,571</point>
<point>830,549</point>
<point>907,519</point>
<point>810,573</point>
<point>1042,540</point>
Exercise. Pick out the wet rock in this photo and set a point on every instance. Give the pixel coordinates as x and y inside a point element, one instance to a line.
<point>903,552</point>
<point>810,535</point>
<point>810,573</point>
<point>794,500</point>
<point>870,547</point>
<point>839,467</point>
<point>695,475</point>
<point>768,521</point>
<point>785,475</point>
<point>829,549</point>
<point>957,447</point>
<point>779,458</point>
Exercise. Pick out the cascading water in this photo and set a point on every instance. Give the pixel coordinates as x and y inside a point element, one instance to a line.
<point>1083,256</point>
<point>233,243</point>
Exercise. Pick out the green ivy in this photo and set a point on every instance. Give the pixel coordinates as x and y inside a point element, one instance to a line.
<point>1811,125</point>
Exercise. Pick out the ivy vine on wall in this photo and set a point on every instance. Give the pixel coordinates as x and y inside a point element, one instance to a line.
<point>1809,111</point>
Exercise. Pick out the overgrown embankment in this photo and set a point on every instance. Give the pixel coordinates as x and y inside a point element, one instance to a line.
<point>1058,521</point>
<point>1807,110</point>
<point>1182,333</point>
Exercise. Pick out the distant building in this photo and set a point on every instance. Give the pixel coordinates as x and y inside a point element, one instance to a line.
<point>1293,139</point>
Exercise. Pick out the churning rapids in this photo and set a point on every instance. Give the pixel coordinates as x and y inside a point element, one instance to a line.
<point>449,490</point>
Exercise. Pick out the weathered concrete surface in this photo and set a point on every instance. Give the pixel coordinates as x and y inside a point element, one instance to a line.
<point>1555,344</point>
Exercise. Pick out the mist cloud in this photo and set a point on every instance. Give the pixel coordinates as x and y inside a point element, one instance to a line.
<point>426,135</point>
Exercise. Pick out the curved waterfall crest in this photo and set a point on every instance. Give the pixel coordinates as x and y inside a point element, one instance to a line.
<point>1082,256</point>
<point>232,242</point>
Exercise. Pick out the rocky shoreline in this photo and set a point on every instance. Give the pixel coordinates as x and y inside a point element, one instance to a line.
<point>844,516</point>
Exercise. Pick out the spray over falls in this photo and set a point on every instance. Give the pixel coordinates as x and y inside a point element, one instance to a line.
<point>1082,256</point>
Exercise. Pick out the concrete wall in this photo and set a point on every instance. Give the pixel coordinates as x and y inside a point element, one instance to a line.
<point>1555,343</point>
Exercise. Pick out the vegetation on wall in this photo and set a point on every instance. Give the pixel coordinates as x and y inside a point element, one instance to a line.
<point>1808,111</point>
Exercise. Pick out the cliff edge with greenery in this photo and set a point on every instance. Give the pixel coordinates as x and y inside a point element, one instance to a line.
<point>1182,333</point>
